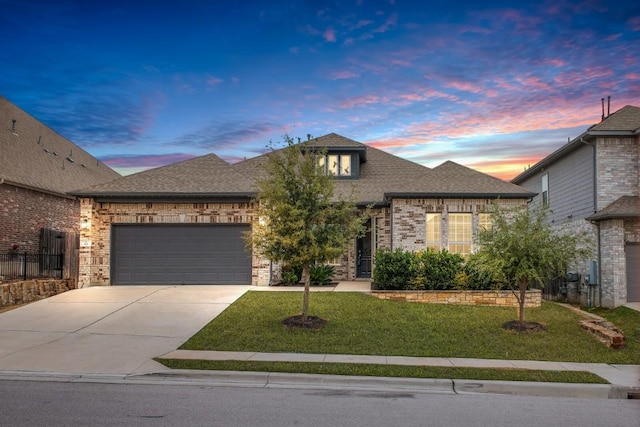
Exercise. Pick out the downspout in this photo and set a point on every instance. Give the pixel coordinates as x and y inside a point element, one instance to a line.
<point>595,209</point>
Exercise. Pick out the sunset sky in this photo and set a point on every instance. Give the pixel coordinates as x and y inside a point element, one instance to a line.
<point>494,85</point>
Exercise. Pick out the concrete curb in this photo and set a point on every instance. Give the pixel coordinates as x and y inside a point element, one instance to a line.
<point>380,384</point>
<point>337,382</point>
<point>524,388</point>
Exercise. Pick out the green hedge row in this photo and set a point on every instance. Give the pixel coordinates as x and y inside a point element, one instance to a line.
<point>432,270</point>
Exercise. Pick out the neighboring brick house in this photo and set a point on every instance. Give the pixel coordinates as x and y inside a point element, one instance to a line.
<point>37,169</point>
<point>592,183</point>
<point>183,223</point>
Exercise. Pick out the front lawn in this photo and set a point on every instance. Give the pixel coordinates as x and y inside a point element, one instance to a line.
<point>362,324</point>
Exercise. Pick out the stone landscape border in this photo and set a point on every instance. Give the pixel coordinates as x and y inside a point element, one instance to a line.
<point>533,297</point>
<point>25,291</point>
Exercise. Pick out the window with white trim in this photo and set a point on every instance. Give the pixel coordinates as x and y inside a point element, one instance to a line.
<point>336,164</point>
<point>433,231</point>
<point>460,233</point>
<point>545,190</point>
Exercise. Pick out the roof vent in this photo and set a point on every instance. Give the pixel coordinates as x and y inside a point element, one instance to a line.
<point>70,156</point>
<point>13,127</point>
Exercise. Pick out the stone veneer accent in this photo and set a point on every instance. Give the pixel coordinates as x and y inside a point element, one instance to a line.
<point>24,212</point>
<point>97,218</point>
<point>409,218</point>
<point>22,292</point>
<point>488,298</point>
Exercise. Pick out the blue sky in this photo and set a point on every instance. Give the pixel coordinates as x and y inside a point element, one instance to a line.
<point>494,85</point>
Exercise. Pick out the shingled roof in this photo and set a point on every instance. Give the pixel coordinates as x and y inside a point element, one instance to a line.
<point>202,176</point>
<point>382,175</point>
<point>626,119</point>
<point>624,207</point>
<point>36,157</point>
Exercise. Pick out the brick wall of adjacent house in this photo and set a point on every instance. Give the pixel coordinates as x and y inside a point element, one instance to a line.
<point>618,174</point>
<point>24,212</point>
<point>409,218</point>
<point>576,291</point>
<point>97,218</point>
<point>613,265</point>
<point>22,292</point>
<point>487,298</point>
<point>618,169</point>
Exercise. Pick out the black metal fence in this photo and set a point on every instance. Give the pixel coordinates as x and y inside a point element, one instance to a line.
<point>31,266</point>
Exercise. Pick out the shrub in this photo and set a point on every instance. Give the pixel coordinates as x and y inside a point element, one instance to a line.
<point>394,270</point>
<point>321,274</point>
<point>482,274</point>
<point>290,274</point>
<point>438,270</point>
<point>431,270</point>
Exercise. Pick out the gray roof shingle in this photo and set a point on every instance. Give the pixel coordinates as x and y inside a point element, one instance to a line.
<point>625,119</point>
<point>207,175</point>
<point>37,157</point>
<point>381,174</point>
<point>624,207</point>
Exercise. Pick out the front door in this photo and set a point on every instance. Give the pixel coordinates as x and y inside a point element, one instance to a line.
<point>363,255</point>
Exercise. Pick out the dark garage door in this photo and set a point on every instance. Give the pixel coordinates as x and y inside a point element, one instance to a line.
<point>633,272</point>
<point>179,254</point>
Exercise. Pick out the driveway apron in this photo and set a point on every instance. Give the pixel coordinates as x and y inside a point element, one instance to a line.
<point>107,330</point>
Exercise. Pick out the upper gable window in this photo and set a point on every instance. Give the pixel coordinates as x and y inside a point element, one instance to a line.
<point>336,164</point>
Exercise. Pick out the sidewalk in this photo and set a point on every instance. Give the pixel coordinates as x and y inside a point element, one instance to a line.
<point>618,375</point>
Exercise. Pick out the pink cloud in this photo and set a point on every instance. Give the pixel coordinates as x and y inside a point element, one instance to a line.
<point>391,21</point>
<point>464,86</point>
<point>362,23</point>
<point>613,37</point>
<point>329,35</point>
<point>360,100</point>
<point>632,76</point>
<point>213,81</point>
<point>343,75</point>
<point>634,23</point>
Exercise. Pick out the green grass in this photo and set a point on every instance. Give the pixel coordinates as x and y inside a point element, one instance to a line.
<point>389,371</point>
<point>362,324</point>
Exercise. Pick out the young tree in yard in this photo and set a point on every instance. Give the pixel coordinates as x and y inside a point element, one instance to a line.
<point>526,250</point>
<point>299,221</point>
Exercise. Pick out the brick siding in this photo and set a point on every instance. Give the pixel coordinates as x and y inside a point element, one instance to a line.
<point>97,218</point>
<point>409,218</point>
<point>24,212</point>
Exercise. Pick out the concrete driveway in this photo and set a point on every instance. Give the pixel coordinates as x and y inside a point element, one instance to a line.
<point>107,330</point>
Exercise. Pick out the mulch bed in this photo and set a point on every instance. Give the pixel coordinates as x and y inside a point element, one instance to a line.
<point>313,323</point>
<point>516,326</point>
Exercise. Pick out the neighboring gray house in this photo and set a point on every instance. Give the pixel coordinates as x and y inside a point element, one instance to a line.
<point>592,183</point>
<point>183,223</point>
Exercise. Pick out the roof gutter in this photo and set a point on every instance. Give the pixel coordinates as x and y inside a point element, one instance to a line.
<point>560,152</point>
<point>39,190</point>
<point>526,195</point>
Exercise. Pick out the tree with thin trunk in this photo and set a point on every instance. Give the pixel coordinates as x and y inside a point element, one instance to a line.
<point>298,220</point>
<point>526,250</point>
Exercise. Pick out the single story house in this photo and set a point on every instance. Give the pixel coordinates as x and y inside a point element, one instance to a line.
<point>183,223</point>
